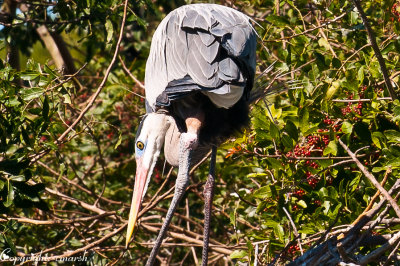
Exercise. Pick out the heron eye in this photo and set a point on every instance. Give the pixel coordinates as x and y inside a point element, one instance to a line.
<point>140,145</point>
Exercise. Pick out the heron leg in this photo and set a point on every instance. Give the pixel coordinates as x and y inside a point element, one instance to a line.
<point>208,193</point>
<point>188,142</point>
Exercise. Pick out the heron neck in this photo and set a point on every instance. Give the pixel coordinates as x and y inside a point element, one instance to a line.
<point>172,144</point>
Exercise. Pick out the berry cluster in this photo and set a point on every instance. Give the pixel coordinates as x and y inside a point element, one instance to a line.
<point>379,91</point>
<point>317,202</point>
<point>110,135</point>
<point>299,193</point>
<point>350,108</point>
<point>354,107</point>
<point>293,249</point>
<point>312,146</point>
<point>396,10</point>
<point>311,180</point>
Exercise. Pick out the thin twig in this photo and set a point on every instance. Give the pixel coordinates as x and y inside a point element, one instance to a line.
<point>372,39</point>
<point>103,82</point>
<point>309,30</point>
<point>140,84</point>
<point>189,239</point>
<point>372,179</point>
<point>58,222</point>
<point>72,200</point>
<point>87,247</point>
<point>377,252</point>
<point>296,233</point>
<point>361,100</point>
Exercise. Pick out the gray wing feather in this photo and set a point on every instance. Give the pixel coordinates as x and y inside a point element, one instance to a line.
<point>228,70</point>
<point>198,68</point>
<point>210,52</point>
<point>175,51</point>
<point>189,41</point>
<point>206,38</point>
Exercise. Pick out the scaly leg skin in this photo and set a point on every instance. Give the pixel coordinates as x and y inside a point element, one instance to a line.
<point>188,142</point>
<point>208,193</point>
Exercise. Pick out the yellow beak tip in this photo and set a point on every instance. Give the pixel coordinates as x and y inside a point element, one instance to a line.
<point>128,237</point>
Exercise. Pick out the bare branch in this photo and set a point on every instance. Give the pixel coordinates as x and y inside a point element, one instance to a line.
<point>378,54</point>
<point>371,178</point>
<point>103,82</point>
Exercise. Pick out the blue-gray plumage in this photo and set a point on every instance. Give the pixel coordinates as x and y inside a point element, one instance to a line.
<point>210,47</point>
<point>199,73</point>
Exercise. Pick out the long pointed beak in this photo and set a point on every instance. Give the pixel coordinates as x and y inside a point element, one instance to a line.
<point>140,182</point>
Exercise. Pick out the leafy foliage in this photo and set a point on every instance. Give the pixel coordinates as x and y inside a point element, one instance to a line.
<point>288,168</point>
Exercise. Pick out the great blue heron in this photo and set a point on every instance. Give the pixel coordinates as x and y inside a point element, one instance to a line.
<point>199,74</point>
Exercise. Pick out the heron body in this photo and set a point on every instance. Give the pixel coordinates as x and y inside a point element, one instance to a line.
<point>199,73</point>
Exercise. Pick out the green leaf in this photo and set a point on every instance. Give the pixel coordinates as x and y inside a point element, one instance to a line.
<point>275,164</point>
<point>324,43</point>
<point>287,141</point>
<point>118,142</point>
<point>238,254</point>
<point>31,93</point>
<point>17,178</point>
<point>50,71</point>
<point>10,196</point>
<point>25,136</point>
<point>29,75</point>
<point>332,90</point>
<point>347,127</point>
<point>291,129</point>
<point>10,243</point>
<point>379,139</point>
<point>109,30</point>
<point>379,169</point>
<point>274,130</point>
<point>396,111</point>
<point>308,229</point>
<point>354,183</point>
<point>62,170</point>
<point>278,21</point>
<point>360,74</point>
<point>75,243</point>
<point>67,98</point>
<point>326,205</point>
<point>232,218</point>
<point>302,203</point>
<point>392,135</point>
<point>264,192</point>
<point>320,61</point>
<point>278,230</point>
<point>304,117</point>
<point>353,17</point>
<point>332,148</point>
<point>323,192</point>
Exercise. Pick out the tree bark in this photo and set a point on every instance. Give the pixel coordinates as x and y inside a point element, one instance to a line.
<point>56,47</point>
<point>8,11</point>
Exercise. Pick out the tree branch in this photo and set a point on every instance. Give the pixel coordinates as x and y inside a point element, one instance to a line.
<point>372,179</point>
<point>374,45</point>
<point>103,82</point>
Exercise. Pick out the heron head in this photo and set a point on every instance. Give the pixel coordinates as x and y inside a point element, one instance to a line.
<point>148,143</point>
